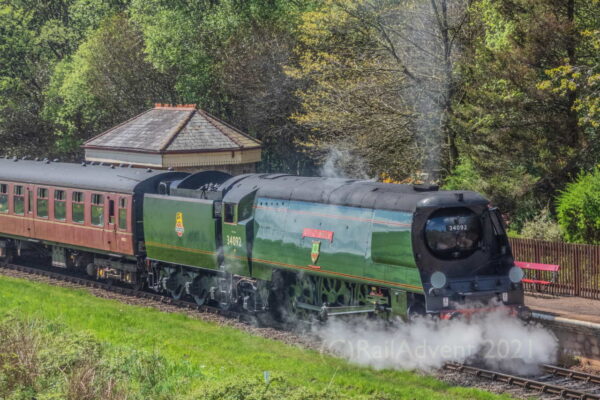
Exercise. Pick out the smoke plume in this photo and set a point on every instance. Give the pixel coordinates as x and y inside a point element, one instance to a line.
<point>496,340</point>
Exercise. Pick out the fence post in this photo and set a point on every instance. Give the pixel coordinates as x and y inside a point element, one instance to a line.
<point>577,270</point>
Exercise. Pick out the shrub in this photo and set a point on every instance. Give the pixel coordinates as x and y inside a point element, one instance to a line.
<point>542,227</point>
<point>464,177</point>
<point>20,346</point>
<point>43,359</point>
<point>578,209</point>
<point>257,389</point>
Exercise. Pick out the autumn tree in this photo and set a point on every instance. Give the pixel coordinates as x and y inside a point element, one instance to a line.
<point>380,81</point>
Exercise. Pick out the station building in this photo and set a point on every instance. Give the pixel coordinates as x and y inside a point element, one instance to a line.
<point>181,137</point>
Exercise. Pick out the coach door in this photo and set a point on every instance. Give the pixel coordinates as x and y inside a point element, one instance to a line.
<point>102,217</point>
<point>29,201</point>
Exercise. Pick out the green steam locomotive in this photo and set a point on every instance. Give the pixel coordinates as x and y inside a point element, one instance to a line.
<point>306,246</point>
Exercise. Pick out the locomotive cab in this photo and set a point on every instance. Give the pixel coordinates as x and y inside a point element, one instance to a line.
<point>463,255</point>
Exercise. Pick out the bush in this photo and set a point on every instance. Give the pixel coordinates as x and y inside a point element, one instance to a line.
<point>257,389</point>
<point>542,227</point>
<point>578,209</point>
<point>464,177</point>
<point>43,359</point>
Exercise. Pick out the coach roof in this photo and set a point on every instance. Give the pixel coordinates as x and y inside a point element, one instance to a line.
<point>80,176</point>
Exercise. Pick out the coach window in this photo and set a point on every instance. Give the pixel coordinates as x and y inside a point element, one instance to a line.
<point>3,198</point>
<point>29,201</point>
<point>19,200</point>
<point>123,214</point>
<point>78,207</point>
<point>97,209</point>
<point>42,203</point>
<point>60,205</point>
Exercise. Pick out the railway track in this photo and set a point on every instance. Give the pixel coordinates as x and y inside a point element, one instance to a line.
<point>556,381</point>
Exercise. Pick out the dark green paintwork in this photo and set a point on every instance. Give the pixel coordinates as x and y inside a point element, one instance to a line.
<point>235,239</point>
<point>197,245</point>
<point>368,246</point>
<point>278,242</point>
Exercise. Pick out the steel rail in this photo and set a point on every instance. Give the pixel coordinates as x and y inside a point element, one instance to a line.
<point>568,373</point>
<point>525,383</point>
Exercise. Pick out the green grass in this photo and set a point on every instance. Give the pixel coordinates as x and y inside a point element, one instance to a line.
<point>196,358</point>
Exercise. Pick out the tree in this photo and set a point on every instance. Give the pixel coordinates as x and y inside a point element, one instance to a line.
<point>106,82</point>
<point>510,127</point>
<point>380,81</point>
<point>34,37</point>
<point>228,57</point>
<point>578,79</point>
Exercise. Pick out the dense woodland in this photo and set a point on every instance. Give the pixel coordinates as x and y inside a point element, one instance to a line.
<point>500,96</point>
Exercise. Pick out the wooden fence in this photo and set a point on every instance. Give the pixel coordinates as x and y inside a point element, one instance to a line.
<point>579,273</point>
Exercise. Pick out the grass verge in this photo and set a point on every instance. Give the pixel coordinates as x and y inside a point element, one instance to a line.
<point>58,343</point>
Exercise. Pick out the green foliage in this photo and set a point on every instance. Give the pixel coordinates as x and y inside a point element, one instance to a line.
<point>257,389</point>
<point>34,38</point>
<point>579,209</point>
<point>579,78</point>
<point>495,96</point>
<point>509,124</point>
<point>542,227</point>
<point>141,353</point>
<point>105,82</point>
<point>464,177</point>
<point>379,83</point>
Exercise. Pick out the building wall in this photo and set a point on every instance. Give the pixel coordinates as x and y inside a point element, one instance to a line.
<point>233,162</point>
<point>123,157</point>
<point>179,160</point>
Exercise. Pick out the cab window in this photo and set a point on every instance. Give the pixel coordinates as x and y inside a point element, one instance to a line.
<point>229,215</point>
<point>245,208</point>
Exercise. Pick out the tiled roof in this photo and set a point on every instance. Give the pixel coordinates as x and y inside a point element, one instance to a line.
<point>165,129</point>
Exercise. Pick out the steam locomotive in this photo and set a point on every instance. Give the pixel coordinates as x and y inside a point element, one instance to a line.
<point>280,244</point>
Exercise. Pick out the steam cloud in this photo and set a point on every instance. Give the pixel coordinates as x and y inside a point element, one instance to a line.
<point>496,340</point>
<point>341,163</point>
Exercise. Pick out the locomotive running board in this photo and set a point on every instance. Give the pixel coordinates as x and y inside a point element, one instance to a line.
<point>333,311</point>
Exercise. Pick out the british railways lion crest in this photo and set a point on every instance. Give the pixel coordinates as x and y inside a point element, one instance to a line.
<point>179,224</point>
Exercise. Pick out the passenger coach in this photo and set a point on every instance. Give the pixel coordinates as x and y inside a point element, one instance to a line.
<point>80,214</point>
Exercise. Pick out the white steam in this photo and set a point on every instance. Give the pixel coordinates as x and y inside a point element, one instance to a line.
<point>342,163</point>
<point>495,339</point>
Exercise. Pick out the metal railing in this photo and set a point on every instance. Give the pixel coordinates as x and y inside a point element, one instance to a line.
<point>579,273</point>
